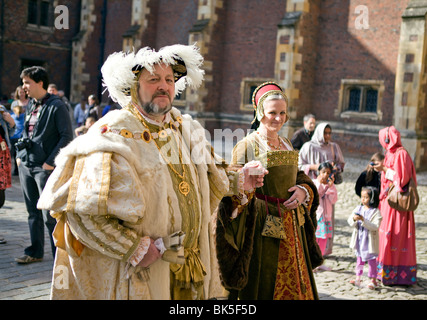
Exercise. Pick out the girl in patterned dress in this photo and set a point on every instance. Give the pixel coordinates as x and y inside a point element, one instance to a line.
<point>328,196</point>
<point>7,128</point>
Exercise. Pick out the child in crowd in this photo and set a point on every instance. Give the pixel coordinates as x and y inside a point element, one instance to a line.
<point>83,129</point>
<point>371,176</point>
<point>328,196</point>
<point>365,220</point>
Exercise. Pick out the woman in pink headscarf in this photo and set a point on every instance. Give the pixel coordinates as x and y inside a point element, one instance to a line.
<point>397,263</point>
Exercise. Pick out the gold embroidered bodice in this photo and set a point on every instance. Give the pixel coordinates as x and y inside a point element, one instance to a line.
<point>282,165</point>
<point>282,169</point>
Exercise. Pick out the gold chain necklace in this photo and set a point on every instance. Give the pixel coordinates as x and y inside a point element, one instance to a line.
<point>270,144</point>
<point>183,187</point>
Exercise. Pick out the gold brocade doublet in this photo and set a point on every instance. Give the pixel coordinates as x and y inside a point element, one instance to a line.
<point>170,146</point>
<point>168,139</point>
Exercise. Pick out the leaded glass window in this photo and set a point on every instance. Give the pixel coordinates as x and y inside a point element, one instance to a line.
<point>362,99</point>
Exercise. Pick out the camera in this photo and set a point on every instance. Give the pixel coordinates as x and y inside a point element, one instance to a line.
<point>23,143</point>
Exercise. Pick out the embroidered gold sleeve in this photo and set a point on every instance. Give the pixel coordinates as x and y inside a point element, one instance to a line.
<point>104,201</point>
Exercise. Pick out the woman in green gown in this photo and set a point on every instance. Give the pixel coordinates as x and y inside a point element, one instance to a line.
<point>266,244</point>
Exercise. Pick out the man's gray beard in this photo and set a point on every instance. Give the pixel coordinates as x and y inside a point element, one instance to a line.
<point>154,109</point>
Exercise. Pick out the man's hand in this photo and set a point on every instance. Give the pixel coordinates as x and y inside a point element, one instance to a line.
<point>254,174</point>
<point>151,256</point>
<point>47,167</point>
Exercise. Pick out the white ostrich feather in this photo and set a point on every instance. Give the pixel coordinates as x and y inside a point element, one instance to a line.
<point>193,62</point>
<point>118,76</point>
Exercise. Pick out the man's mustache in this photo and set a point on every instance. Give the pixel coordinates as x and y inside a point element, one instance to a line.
<point>161,93</point>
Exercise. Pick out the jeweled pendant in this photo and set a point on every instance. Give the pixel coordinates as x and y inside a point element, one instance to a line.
<point>184,188</point>
<point>146,136</point>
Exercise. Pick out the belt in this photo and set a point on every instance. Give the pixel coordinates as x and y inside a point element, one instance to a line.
<point>271,200</point>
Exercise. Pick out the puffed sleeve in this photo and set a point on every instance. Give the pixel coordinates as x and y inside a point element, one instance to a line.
<point>104,194</point>
<point>101,199</point>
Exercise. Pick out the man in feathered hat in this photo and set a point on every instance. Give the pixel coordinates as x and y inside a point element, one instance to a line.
<point>134,196</point>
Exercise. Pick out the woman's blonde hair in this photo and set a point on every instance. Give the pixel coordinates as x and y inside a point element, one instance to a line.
<point>18,110</point>
<point>19,88</point>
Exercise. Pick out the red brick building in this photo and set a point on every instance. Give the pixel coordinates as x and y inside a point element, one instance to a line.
<point>360,65</point>
<point>28,37</point>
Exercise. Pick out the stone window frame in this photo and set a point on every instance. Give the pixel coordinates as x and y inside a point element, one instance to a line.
<point>246,92</point>
<point>344,96</point>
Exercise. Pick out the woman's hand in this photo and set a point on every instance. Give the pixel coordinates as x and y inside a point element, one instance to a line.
<point>254,174</point>
<point>296,199</point>
<point>7,117</point>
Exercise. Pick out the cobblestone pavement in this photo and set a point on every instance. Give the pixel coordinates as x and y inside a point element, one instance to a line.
<point>21,282</point>
<point>334,284</point>
<point>32,282</point>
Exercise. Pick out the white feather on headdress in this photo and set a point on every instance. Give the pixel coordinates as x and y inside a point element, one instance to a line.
<point>118,77</point>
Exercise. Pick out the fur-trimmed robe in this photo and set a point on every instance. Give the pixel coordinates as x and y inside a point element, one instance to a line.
<point>108,190</point>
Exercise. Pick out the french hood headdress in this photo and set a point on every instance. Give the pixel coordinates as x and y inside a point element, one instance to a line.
<point>261,93</point>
